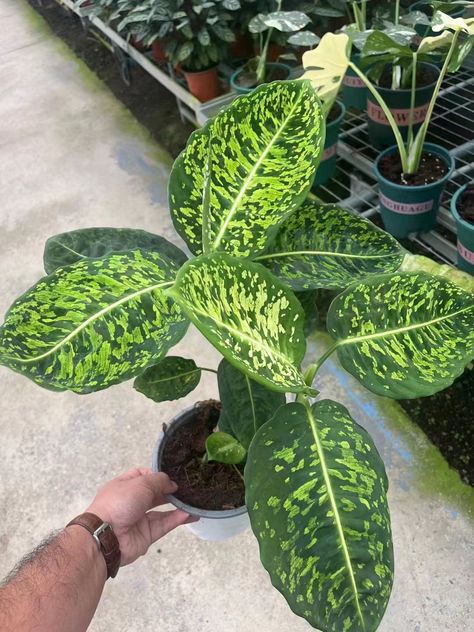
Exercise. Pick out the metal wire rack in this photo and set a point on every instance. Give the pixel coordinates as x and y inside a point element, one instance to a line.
<point>452,126</point>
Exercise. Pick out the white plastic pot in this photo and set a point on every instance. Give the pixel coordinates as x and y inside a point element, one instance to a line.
<point>213,525</point>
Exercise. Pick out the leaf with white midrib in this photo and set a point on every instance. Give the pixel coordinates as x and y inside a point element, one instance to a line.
<point>404,335</point>
<point>325,246</point>
<point>316,495</point>
<point>94,323</point>
<point>247,169</point>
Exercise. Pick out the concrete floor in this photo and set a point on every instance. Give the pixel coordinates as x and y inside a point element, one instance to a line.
<point>72,157</point>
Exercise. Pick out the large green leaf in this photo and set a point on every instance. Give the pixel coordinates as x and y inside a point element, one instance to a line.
<point>404,335</point>
<point>248,168</point>
<point>91,243</point>
<point>325,246</point>
<point>94,323</point>
<point>172,378</point>
<point>246,404</point>
<point>316,495</point>
<point>250,316</point>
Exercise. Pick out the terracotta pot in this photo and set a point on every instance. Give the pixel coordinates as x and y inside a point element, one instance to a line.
<point>204,84</point>
<point>158,51</point>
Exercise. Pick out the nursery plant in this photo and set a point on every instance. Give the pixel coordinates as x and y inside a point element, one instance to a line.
<point>414,172</point>
<point>263,26</point>
<point>115,301</point>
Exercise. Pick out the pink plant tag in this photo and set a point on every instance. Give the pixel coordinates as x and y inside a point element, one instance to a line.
<point>329,152</point>
<point>465,253</point>
<point>402,117</point>
<point>353,82</point>
<point>406,209</point>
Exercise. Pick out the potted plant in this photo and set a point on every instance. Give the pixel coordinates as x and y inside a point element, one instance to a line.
<point>412,174</point>
<point>354,91</point>
<point>462,208</point>
<point>116,301</point>
<point>259,70</point>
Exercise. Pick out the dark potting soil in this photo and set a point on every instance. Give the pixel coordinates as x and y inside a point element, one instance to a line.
<point>424,77</point>
<point>150,103</point>
<point>210,485</point>
<point>448,420</point>
<point>465,205</point>
<point>249,79</point>
<point>432,168</point>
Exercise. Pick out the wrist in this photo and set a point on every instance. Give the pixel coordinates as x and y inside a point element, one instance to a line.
<point>83,544</point>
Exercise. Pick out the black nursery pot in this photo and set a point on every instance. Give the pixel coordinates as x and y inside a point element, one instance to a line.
<point>212,525</point>
<point>398,101</point>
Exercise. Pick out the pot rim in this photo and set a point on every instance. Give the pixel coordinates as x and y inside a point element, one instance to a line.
<point>338,119</point>
<point>199,72</point>
<point>454,210</point>
<point>271,64</point>
<point>408,90</point>
<point>440,151</point>
<point>177,421</point>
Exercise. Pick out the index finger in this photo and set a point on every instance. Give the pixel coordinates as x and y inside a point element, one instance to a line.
<point>159,484</point>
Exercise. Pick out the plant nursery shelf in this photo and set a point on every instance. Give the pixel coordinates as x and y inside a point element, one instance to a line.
<point>354,184</point>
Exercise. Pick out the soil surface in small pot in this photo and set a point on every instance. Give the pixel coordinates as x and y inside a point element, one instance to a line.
<point>211,485</point>
<point>432,168</point>
<point>424,77</point>
<point>334,113</point>
<point>248,79</point>
<point>465,205</point>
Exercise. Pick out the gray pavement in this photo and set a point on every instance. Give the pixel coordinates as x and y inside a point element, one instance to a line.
<point>70,157</point>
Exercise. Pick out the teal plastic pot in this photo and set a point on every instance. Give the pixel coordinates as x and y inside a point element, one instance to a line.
<point>354,90</point>
<point>327,163</point>
<point>398,101</point>
<point>424,30</point>
<point>465,232</point>
<point>271,65</point>
<point>406,209</point>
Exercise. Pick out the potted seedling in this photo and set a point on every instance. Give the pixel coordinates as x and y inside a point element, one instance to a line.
<point>259,70</point>
<point>412,174</point>
<point>354,90</point>
<point>115,302</point>
<point>462,208</point>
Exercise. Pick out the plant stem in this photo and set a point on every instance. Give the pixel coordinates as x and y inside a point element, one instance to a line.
<point>412,101</point>
<point>396,132</point>
<point>416,150</point>
<point>312,370</point>
<point>262,61</point>
<point>204,368</point>
<point>238,472</point>
<point>396,19</point>
<point>364,15</point>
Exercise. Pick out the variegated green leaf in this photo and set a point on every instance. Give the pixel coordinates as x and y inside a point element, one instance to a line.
<point>91,243</point>
<point>246,404</point>
<point>250,316</point>
<point>94,323</point>
<point>404,335</point>
<point>248,168</point>
<point>325,246</point>
<point>224,448</point>
<point>316,495</point>
<point>172,378</point>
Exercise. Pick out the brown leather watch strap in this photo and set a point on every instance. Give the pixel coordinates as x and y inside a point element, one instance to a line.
<point>105,538</point>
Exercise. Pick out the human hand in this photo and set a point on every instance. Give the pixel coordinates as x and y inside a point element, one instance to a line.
<point>125,502</point>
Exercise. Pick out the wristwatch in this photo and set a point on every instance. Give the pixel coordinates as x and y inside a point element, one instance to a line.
<point>104,537</point>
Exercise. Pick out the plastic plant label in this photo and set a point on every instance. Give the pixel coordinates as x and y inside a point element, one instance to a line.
<point>401,116</point>
<point>466,254</point>
<point>406,209</point>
